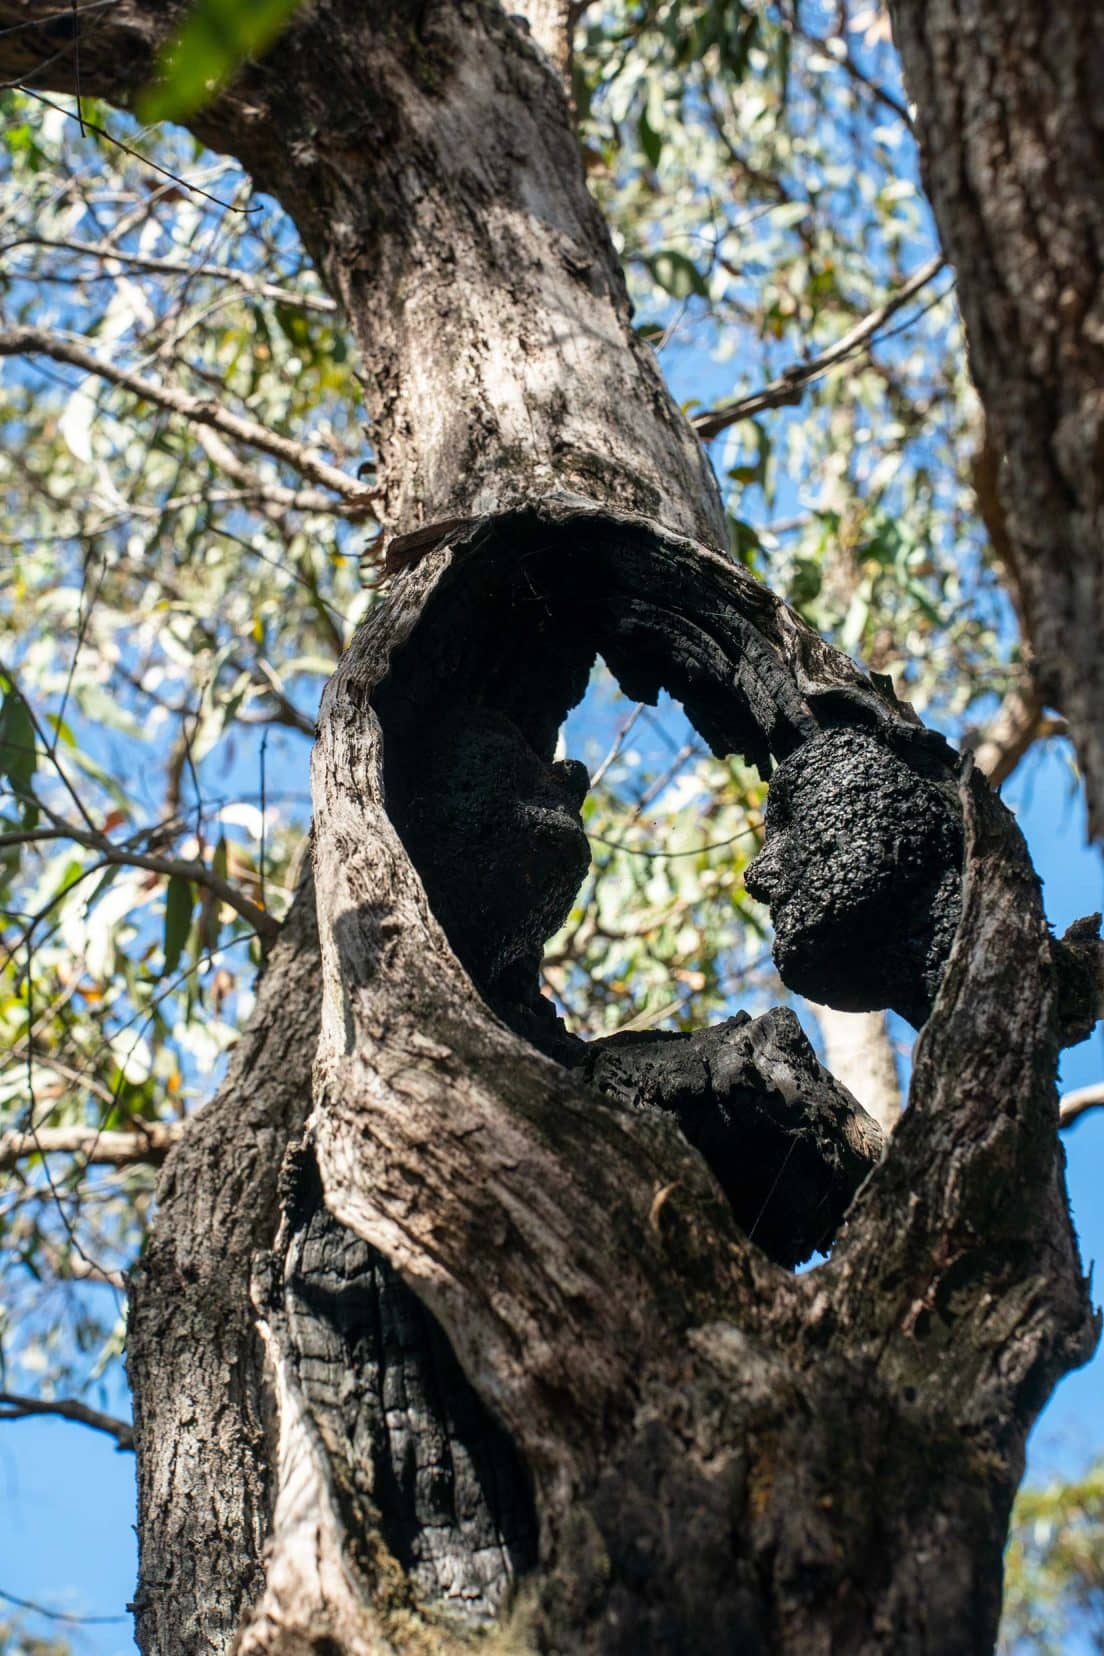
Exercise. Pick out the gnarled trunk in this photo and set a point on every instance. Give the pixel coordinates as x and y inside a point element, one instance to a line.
<point>497,1347</point>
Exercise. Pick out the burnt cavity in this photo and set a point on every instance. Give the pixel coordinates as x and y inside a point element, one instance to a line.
<point>860,866</point>
<point>472,709</point>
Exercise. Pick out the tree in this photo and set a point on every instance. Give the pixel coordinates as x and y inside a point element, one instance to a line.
<point>591,1376</point>
<point>1002,101</point>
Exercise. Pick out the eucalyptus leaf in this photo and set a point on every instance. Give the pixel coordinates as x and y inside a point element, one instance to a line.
<point>179,901</point>
<point>677,275</point>
<point>214,40</point>
<point>18,755</point>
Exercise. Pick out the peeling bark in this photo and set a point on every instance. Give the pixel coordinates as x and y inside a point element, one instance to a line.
<point>1008,113</point>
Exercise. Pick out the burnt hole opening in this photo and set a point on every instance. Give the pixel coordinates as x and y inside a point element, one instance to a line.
<point>860,868</point>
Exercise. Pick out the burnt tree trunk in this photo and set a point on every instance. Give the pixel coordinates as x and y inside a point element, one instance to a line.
<point>446,1325</point>
<point>1009,100</point>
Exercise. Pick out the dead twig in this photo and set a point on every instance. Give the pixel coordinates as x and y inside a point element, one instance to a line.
<point>791,383</point>
<point>14,1407</point>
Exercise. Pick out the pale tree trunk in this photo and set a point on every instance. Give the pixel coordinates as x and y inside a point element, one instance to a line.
<point>494,1348</point>
<point>1008,98</point>
<point>858,1049</point>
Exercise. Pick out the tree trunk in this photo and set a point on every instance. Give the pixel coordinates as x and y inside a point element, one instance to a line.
<point>1008,112</point>
<point>495,1349</point>
<point>858,1050</point>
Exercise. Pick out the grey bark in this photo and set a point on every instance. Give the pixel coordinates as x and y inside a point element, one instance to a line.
<point>1008,112</point>
<point>710,1452</point>
<point>202,1410</point>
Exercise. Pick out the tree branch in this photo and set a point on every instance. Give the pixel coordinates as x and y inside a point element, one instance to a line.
<point>179,867</point>
<point>65,1616</point>
<point>1018,722</point>
<point>250,284</point>
<point>203,411</point>
<point>14,1407</point>
<point>855,71</point>
<point>1074,1104</point>
<point>271,495</point>
<point>789,385</point>
<point>147,1146</point>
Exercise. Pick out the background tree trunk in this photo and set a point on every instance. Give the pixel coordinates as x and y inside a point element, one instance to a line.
<point>690,1447</point>
<point>1008,112</point>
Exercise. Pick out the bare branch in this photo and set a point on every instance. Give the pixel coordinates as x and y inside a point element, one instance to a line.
<point>171,867</point>
<point>858,1050</point>
<point>1017,724</point>
<point>273,495</point>
<point>147,1146</point>
<point>244,279</point>
<point>14,1407</point>
<point>1073,1105</point>
<point>65,1616</point>
<point>202,411</point>
<point>829,45</point>
<point>790,384</point>
<point>74,1268</point>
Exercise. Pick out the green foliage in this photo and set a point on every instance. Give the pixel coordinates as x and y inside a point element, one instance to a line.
<point>179,899</point>
<point>17,1640</point>
<point>757,169</point>
<point>214,40</point>
<point>1054,1569</point>
<point>168,614</point>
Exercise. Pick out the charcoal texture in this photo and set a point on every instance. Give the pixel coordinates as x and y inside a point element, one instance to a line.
<point>861,869</point>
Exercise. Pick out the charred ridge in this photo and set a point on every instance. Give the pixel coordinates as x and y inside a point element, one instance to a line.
<point>413,1453</point>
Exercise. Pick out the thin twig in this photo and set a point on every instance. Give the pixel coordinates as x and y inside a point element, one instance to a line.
<point>695,851</point>
<point>59,1615</point>
<point>123,856</point>
<point>200,410</point>
<point>15,1407</point>
<point>856,72</point>
<point>622,731</point>
<point>276,494</point>
<point>136,155</point>
<point>790,384</point>
<point>250,284</point>
<point>52,17</point>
